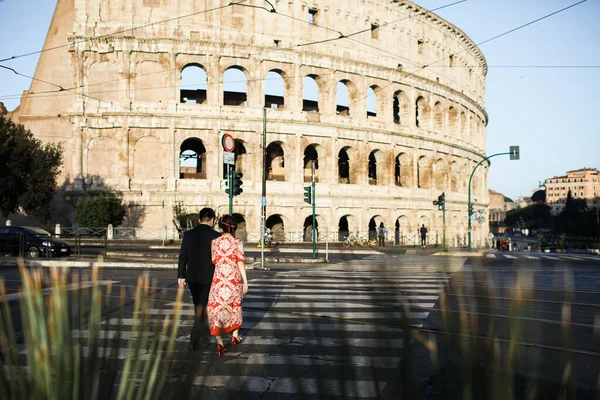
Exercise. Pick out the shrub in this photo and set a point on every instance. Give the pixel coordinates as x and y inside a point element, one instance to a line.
<point>99,212</point>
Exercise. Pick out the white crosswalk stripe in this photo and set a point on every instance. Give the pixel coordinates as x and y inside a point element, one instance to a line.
<point>343,328</point>
<point>542,256</point>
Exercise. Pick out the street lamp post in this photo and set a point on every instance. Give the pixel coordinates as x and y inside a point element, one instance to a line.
<point>514,155</point>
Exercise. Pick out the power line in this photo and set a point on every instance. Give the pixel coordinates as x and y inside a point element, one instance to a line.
<point>123,31</point>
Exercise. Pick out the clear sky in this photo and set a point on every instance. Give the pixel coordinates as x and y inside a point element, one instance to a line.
<point>549,112</point>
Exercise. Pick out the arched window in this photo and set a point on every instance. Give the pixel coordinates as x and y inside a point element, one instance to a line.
<point>235,88</point>
<point>343,167</point>
<point>192,159</point>
<point>192,84</point>
<point>342,99</point>
<point>423,173</point>
<point>274,90</point>
<point>422,113</point>
<point>310,93</point>
<point>375,173</point>
<point>401,108</point>
<point>372,101</point>
<point>438,117</point>
<point>310,156</point>
<point>463,124</point>
<point>440,174</point>
<point>241,164</point>
<point>402,170</point>
<point>452,121</point>
<point>275,162</point>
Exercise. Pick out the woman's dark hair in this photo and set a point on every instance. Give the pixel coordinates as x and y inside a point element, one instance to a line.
<point>228,224</point>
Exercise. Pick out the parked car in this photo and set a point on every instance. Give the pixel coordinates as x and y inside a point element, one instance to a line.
<point>34,242</point>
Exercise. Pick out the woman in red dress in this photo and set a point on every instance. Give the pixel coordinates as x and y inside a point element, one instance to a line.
<point>228,286</point>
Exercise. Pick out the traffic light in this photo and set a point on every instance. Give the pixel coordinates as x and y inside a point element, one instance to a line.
<point>308,194</point>
<point>227,182</point>
<point>441,201</point>
<point>471,209</point>
<point>237,183</point>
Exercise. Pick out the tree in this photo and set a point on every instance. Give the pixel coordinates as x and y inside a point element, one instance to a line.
<point>28,171</point>
<point>99,212</point>
<point>539,197</point>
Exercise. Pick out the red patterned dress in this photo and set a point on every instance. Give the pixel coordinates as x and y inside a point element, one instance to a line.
<point>226,291</point>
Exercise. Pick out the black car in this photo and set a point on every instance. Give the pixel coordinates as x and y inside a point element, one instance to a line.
<point>31,242</point>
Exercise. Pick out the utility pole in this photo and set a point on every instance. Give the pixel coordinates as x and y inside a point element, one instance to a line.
<point>514,153</point>
<point>263,219</point>
<point>314,198</point>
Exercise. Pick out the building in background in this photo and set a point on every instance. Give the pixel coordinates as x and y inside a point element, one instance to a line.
<point>150,96</point>
<point>499,206</point>
<point>583,183</point>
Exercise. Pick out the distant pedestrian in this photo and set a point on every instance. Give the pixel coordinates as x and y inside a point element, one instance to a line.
<point>423,231</point>
<point>229,285</point>
<point>196,270</point>
<point>381,232</point>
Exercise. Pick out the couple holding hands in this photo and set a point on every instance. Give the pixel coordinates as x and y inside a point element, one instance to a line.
<point>211,264</point>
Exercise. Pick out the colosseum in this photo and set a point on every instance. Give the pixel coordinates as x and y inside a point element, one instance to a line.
<point>385,98</point>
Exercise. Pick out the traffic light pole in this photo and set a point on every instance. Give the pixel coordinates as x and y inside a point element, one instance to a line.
<point>444,245</point>
<point>470,205</point>
<point>314,197</point>
<point>230,180</point>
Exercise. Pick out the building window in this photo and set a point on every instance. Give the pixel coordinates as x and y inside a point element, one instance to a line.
<point>374,31</point>
<point>451,61</point>
<point>276,43</point>
<point>312,16</point>
<point>420,46</point>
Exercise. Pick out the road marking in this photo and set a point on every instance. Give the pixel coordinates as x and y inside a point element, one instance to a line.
<point>509,256</point>
<point>69,287</point>
<point>532,257</point>
<point>490,255</point>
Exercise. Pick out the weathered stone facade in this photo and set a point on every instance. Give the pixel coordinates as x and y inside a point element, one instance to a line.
<point>125,119</point>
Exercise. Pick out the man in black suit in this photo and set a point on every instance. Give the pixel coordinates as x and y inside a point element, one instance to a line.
<point>196,269</point>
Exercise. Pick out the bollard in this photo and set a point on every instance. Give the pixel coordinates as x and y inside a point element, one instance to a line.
<point>110,233</point>
<point>8,222</point>
<point>57,230</point>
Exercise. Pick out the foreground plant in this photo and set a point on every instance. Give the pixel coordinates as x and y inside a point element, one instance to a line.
<point>67,352</point>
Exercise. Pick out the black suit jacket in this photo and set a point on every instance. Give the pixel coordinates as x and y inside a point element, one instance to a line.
<point>195,262</point>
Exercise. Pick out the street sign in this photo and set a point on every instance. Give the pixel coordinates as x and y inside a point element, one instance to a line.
<point>228,142</point>
<point>228,158</point>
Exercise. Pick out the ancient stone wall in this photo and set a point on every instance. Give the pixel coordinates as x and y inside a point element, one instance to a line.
<point>126,117</point>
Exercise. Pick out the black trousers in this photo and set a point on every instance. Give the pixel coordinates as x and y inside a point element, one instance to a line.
<point>200,293</point>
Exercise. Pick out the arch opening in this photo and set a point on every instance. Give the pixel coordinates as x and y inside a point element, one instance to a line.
<point>343,167</point>
<point>310,93</point>
<point>274,90</point>
<point>193,83</point>
<point>241,231</point>
<point>275,162</point>
<point>310,155</point>
<point>192,159</point>
<point>372,101</point>
<point>275,224</point>
<point>342,98</point>
<point>235,87</point>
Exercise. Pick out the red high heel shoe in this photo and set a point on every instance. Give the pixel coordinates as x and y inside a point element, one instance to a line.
<point>236,340</point>
<point>221,350</point>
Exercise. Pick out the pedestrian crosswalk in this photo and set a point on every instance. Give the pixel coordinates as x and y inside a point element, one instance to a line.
<point>543,256</point>
<point>313,333</point>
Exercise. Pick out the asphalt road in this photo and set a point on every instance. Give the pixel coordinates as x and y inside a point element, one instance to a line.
<point>509,322</point>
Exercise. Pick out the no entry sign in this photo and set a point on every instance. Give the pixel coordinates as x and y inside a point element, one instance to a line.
<point>228,142</point>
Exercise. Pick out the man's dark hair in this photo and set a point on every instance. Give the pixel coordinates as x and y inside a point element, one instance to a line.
<point>206,214</point>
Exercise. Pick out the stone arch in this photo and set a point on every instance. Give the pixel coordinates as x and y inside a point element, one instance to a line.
<point>275,162</point>
<point>402,228</point>
<point>242,163</point>
<point>151,82</point>
<point>345,171</point>
<point>345,94</point>
<point>454,176</point>
<point>235,86</point>
<point>310,92</point>
<point>401,108</point>
<point>376,168</point>
<point>441,174</point>
<point>307,227</point>
<point>241,232</point>
<point>424,220</point>
<point>403,170</point>
<point>463,124</point>
<point>452,121</point>
<point>422,113</point>
<point>374,101</point>
<point>311,154</point>
<point>275,89</point>
<point>192,159</point>
<point>193,84</point>
<point>102,84</point>
<point>276,223</point>
<point>423,173</point>
<point>438,117</point>
<point>373,224</point>
<point>150,158</point>
<point>101,157</point>
<point>347,224</point>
